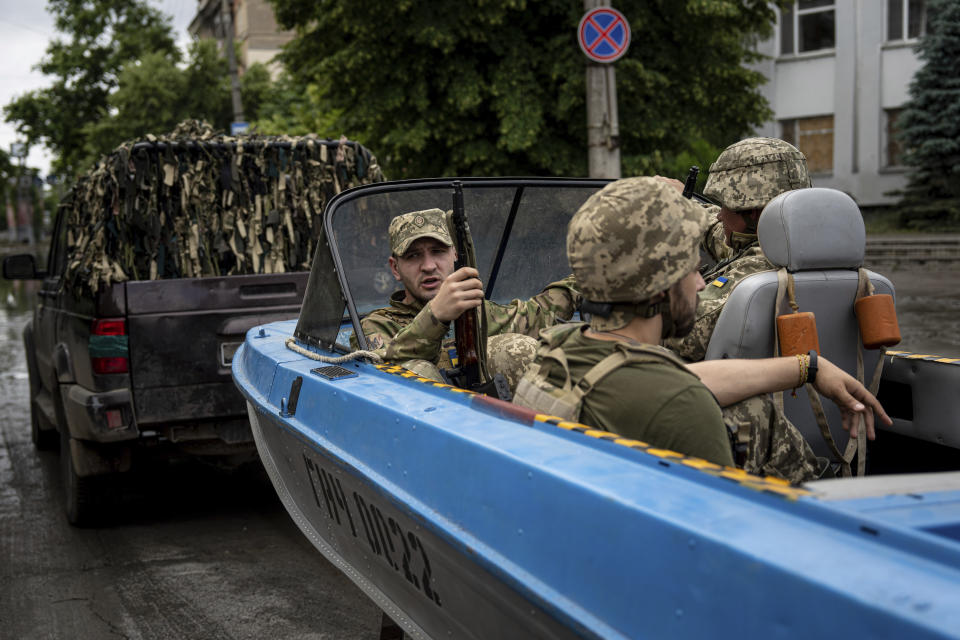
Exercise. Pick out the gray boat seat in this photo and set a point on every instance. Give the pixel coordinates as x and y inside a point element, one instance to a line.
<point>818,235</point>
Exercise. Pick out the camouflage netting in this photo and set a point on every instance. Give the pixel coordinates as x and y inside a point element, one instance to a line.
<point>194,204</point>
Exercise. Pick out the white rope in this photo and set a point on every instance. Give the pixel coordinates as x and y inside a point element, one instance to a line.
<point>354,355</point>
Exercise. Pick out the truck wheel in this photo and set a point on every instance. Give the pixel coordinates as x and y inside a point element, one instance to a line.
<point>81,495</point>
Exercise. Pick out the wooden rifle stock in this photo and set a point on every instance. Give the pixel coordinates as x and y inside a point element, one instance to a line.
<point>465,327</point>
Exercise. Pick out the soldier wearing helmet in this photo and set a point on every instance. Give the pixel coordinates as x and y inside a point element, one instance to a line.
<point>746,176</point>
<point>633,247</point>
<point>416,330</point>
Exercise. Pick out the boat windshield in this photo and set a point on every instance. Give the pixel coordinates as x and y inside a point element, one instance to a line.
<point>518,225</point>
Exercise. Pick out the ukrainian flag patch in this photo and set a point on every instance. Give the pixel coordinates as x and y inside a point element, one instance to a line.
<point>719,282</point>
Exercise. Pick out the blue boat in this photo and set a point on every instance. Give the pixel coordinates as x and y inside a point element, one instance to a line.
<point>463,516</point>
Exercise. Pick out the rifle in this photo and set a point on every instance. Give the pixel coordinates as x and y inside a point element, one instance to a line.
<point>470,369</point>
<point>706,261</point>
<point>691,183</point>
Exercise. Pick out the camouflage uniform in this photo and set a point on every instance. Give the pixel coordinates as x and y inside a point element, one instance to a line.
<point>746,176</point>
<point>409,333</point>
<point>631,240</point>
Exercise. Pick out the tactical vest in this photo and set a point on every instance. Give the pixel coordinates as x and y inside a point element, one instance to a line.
<point>535,391</point>
<point>762,440</point>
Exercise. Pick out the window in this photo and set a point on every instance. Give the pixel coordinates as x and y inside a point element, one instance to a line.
<point>894,152</point>
<point>814,137</point>
<point>808,25</point>
<point>905,17</point>
<point>57,258</point>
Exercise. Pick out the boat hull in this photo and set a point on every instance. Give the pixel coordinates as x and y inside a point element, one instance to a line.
<point>418,579</point>
<point>463,523</point>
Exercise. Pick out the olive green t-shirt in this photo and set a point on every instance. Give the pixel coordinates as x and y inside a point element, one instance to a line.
<point>655,402</point>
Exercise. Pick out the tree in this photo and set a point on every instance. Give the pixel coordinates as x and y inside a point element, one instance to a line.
<point>296,110</point>
<point>8,190</point>
<point>930,125</point>
<point>497,86</point>
<point>154,94</point>
<point>101,36</point>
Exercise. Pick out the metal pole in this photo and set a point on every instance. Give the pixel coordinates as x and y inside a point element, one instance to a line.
<point>21,200</point>
<point>226,17</point>
<point>603,128</point>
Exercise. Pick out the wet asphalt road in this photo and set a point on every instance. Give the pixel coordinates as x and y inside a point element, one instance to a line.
<point>928,307</point>
<point>192,552</point>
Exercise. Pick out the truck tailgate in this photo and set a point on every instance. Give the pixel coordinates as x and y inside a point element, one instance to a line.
<point>183,333</point>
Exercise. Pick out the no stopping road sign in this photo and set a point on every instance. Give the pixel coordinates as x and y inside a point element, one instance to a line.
<point>603,34</point>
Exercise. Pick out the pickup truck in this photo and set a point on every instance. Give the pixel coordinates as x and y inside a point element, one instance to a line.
<point>141,367</point>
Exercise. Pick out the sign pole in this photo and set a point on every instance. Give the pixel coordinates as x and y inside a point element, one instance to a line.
<point>604,36</point>
<point>226,17</point>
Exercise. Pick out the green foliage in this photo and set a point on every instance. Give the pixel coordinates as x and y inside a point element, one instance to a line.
<point>296,110</point>
<point>7,188</point>
<point>101,36</point>
<point>155,93</point>
<point>698,153</point>
<point>930,125</point>
<point>490,87</point>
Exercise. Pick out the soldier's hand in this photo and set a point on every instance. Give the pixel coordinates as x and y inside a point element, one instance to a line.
<point>851,397</point>
<point>460,291</point>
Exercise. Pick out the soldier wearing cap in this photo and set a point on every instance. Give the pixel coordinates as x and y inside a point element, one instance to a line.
<point>415,330</point>
<point>633,247</point>
<point>746,176</point>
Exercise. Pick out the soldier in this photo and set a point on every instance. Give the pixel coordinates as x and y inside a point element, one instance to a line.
<point>633,247</point>
<point>416,331</point>
<point>746,176</point>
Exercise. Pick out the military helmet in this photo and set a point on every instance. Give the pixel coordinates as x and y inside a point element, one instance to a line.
<point>752,172</point>
<point>633,239</point>
<point>407,227</point>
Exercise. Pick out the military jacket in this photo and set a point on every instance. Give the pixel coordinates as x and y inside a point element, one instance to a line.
<point>410,331</point>
<point>734,264</point>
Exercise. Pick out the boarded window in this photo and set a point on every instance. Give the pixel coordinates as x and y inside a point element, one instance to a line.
<point>894,152</point>
<point>814,137</point>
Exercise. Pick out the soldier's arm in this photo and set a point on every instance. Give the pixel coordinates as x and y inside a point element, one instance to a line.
<point>734,380</point>
<point>418,340</point>
<point>557,302</point>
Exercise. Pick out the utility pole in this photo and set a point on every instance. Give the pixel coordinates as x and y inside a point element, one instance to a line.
<point>603,127</point>
<point>226,21</point>
<point>22,230</point>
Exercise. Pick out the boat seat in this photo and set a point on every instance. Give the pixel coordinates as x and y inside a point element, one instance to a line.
<point>819,236</point>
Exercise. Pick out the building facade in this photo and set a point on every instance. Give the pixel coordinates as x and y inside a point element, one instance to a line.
<point>255,29</point>
<point>839,73</point>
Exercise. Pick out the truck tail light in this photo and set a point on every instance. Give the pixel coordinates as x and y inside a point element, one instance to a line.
<point>114,418</point>
<point>108,346</point>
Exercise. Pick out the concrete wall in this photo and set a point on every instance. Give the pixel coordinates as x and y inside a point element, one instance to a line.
<point>855,81</point>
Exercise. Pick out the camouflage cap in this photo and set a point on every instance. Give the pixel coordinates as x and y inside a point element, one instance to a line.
<point>633,239</point>
<point>752,172</point>
<point>405,228</point>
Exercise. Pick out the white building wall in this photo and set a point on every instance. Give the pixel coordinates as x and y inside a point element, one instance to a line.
<point>855,81</point>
